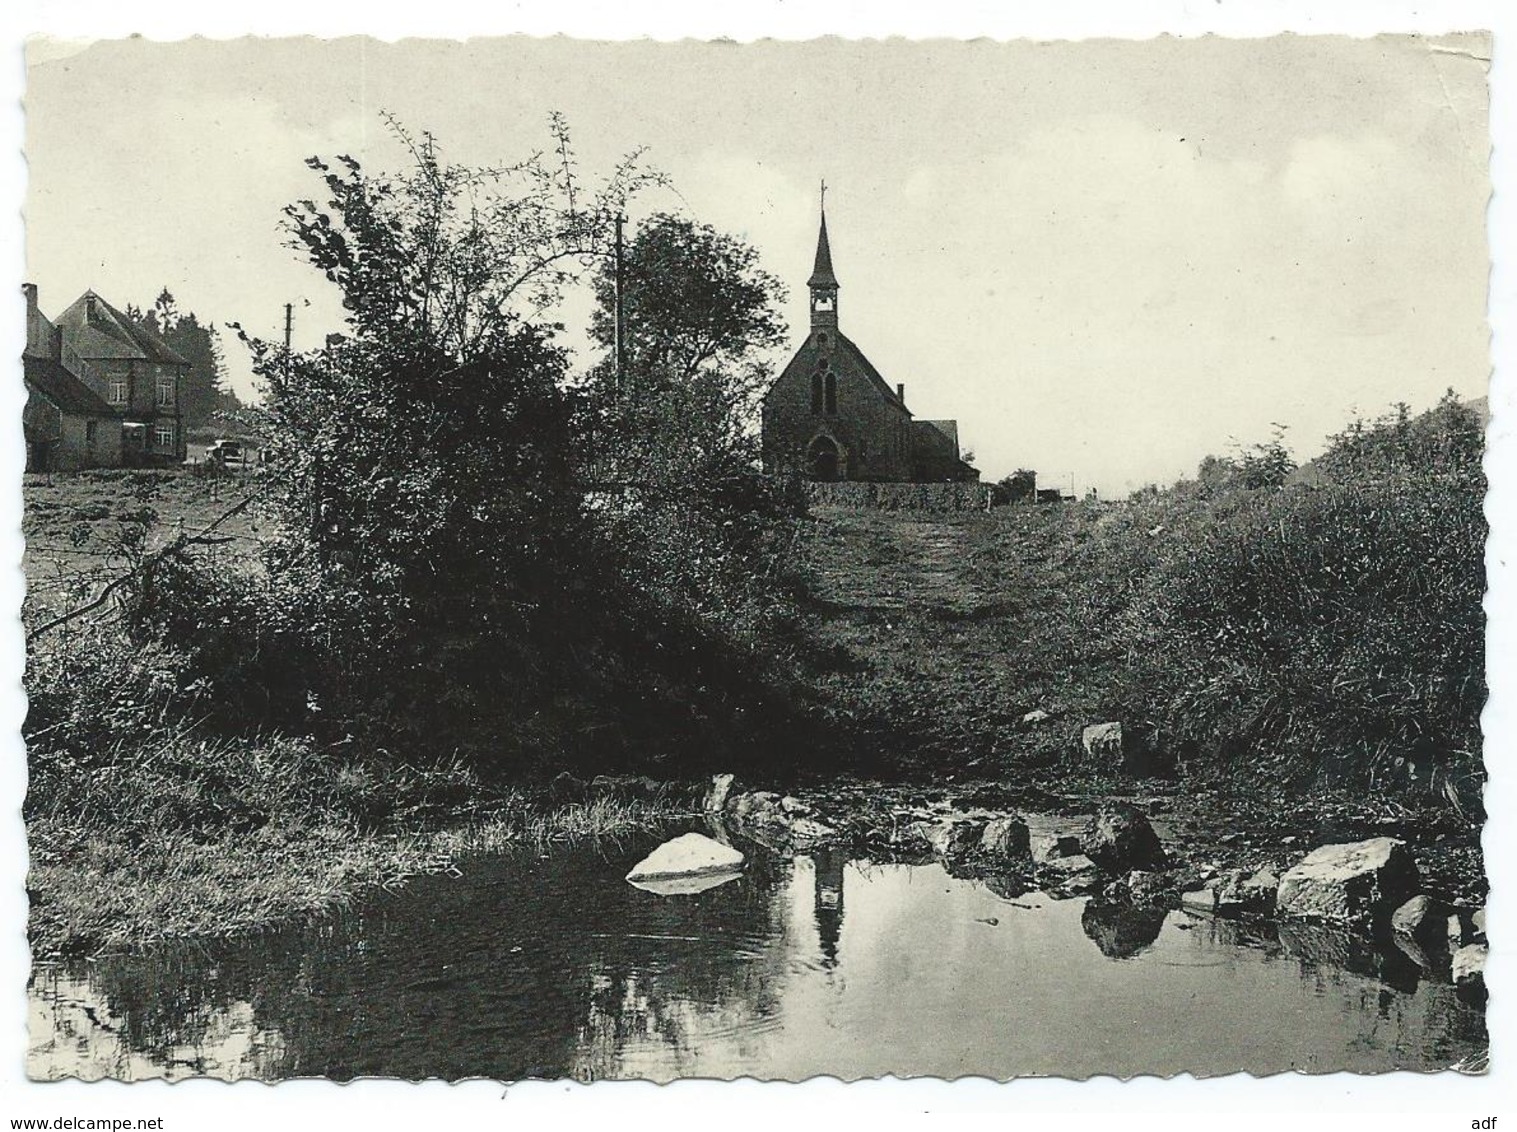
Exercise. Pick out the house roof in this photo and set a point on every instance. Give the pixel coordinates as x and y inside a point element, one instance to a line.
<point>821,273</point>
<point>48,377</point>
<point>97,330</point>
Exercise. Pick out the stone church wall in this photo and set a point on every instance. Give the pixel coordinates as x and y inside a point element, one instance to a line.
<point>900,496</point>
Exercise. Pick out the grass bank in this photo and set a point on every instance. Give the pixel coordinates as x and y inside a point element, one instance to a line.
<point>95,888</point>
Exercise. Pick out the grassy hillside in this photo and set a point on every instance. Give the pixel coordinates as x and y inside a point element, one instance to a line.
<point>1291,637</point>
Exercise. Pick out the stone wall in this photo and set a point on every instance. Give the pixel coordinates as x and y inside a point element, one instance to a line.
<point>900,496</point>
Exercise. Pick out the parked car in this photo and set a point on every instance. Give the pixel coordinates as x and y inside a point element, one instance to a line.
<point>225,453</point>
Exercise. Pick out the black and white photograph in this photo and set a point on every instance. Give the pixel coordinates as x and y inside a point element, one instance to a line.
<point>581,560</point>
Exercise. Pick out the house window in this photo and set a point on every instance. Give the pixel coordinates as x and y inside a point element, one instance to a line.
<point>118,391</point>
<point>165,392</point>
<point>91,430</point>
<point>832,393</point>
<point>163,434</point>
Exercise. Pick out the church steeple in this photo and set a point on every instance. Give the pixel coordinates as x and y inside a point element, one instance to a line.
<point>823,283</point>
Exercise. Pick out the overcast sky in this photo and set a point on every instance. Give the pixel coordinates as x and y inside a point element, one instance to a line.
<point>1105,259</point>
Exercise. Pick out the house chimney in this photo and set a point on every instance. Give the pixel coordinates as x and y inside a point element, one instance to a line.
<point>89,305</point>
<point>900,392</point>
<point>30,291</point>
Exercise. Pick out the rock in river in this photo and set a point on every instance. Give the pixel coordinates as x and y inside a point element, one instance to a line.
<point>1422,920</point>
<point>1119,839</point>
<point>1005,839</point>
<point>1053,846</point>
<point>1349,884</point>
<point>952,838</point>
<point>689,855</point>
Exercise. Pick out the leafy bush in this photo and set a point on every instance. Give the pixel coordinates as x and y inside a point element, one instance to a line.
<point>1328,634</point>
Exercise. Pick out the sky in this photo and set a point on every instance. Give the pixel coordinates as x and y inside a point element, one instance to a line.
<point>1106,259</point>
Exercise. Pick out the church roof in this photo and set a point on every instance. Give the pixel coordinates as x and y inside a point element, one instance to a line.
<point>873,374</point>
<point>822,274</point>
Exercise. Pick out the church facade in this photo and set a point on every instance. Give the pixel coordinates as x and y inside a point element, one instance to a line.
<point>831,415</point>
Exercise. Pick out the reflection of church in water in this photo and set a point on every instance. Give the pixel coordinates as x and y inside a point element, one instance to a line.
<point>828,901</point>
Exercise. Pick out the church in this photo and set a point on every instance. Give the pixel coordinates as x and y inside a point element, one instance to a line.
<point>831,416</point>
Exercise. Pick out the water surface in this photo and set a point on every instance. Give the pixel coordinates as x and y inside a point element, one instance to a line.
<point>811,964</point>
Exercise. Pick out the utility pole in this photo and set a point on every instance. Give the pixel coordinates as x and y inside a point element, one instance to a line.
<point>289,321</point>
<point>621,336</point>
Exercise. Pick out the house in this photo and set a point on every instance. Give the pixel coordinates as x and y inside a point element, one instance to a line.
<point>134,371</point>
<point>67,425</point>
<point>830,415</point>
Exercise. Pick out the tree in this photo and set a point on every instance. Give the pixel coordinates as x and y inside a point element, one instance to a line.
<point>700,318</point>
<point>1019,487</point>
<point>697,525</point>
<point>423,462</point>
<point>203,390</point>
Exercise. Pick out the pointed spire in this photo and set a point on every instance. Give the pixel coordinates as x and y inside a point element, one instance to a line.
<point>821,273</point>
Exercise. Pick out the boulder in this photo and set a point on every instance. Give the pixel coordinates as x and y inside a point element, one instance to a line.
<point>1104,741</point>
<point>1354,883</point>
<point>690,854</point>
<point>1053,846</point>
<point>808,833</point>
<point>1200,900</point>
<point>1035,717</point>
<point>1468,963</point>
<point>761,805</point>
<point>715,799</point>
<point>1467,969</point>
<point>1461,930</point>
<point>633,787</point>
<point>1005,839</point>
<point>1119,839</point>
<point>794,807</point>
<point>954,838</point>
<point>1245,893</point>
<point>1148,888</point>
<point>566,789</point>
<point>1069,875</point>
<point>765,817</point>
<point>1422,920</point>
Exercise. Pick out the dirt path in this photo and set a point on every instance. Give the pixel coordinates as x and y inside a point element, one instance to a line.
<point>917,563</point>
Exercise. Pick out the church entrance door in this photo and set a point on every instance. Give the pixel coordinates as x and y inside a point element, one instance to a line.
<point>825,460</point>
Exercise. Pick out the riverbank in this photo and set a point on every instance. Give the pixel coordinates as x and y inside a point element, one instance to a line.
<point>92,892</point>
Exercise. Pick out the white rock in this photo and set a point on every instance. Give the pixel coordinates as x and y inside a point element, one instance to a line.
<point>1200,900</point>
<point>1103,740</point>
<point>1468,963</point>
<point>716,797</point>
<point>1351,883</point>
<point>690,854</point>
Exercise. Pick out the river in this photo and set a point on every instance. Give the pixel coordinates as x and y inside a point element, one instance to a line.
<point>553,966</point>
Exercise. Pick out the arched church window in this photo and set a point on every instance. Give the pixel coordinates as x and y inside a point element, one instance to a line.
<point>816,392</point>
<point>831,393</point>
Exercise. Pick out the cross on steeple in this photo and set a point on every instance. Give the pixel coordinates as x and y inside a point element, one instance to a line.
<point>823,283</point>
